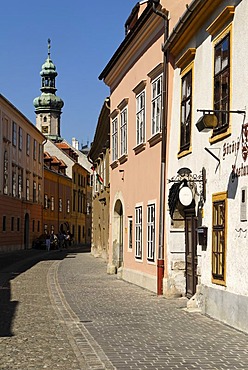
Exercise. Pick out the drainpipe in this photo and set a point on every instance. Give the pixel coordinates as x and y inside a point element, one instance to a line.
<point>160,260</point>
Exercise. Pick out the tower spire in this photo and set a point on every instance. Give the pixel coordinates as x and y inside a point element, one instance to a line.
<point>48,105</point>
<point>49,48</point>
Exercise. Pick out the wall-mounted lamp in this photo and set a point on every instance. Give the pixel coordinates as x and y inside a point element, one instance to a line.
<point>209,121</point>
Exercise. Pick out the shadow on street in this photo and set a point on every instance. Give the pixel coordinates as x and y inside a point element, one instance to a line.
<point>15,263</point>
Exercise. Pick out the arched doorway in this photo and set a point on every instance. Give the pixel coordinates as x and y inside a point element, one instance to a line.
<point>118,234</point>
<point>26,231</point>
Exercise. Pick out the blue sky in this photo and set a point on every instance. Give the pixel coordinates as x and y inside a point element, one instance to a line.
<point>84,35</point>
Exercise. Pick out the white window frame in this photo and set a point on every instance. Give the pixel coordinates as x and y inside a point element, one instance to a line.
<point>27,189</point>
<point>157,104</point>
<point>151,232</point>
<point>115,139</point>
<point>130,232</point>
<point>138,232</point>
<point>14,190</point>
<point>20,180</point>
<point>14,133</point>
<point>35,150</point>
<point>20,141</point>
<point>97,185</point>
<point>39,193</point>
<point>140,118</point>
<point>34,191</point>
<point>28,144</point>
<point>123,132</point>
<point>52,203</point>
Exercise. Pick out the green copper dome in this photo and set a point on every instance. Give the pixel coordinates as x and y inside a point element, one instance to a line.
<point>48,68</point>
<point>48,99</point>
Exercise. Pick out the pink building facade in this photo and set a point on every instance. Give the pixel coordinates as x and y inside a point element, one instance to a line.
<point>135,76</point>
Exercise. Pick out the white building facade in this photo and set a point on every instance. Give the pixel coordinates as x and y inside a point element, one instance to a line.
<point>207,219</point>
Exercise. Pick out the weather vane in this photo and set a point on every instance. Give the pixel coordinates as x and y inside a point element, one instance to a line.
<point>49,47</point>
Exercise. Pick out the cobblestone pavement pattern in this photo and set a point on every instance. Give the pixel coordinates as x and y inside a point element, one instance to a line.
<point>71,315</point>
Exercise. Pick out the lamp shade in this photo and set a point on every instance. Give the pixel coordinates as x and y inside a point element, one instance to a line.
<point>207,122</point>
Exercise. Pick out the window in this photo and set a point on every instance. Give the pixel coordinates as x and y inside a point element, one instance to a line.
<point>79,201</point>
<point>150,232</point>
<point>130,232</point>
<point>96,183</point>
<point>18,224</point>
<point>219,238</point>
<point>20,175</point>
<point>40,152</point>
<point>243,206</point>
<point>123,132</point>
<point>14,184</point>
<point>68,205</point>
<point>38,226</point>
<point>104,172</point>
<point>60,204</point>
<point>28,145</point>
<point>33,225</point>
<point>74,200</point>
<point>4,223</point>
<point>12,223</point>
<point>186,101</point>
<point>45,201</point>
<point>222,83</point>
<point>14,133</point>
<point>156,105</point>
<point>34,192</point>
<point>27,189</point>
<point>5,173</point>
<point>20,138</point>
<point>39,193</point>
<point>35,150</point>
<point>52,203</point>
<point>114,139</point>
<point>101,176</point>
<point>138,232</point>
<point>140,118</point>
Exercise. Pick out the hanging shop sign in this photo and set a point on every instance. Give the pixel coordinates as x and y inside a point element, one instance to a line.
<point>185,187</point>
<point>233,147</point>
<point>185,196</point>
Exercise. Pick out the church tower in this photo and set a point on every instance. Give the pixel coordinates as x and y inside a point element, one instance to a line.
<point>48,106</point>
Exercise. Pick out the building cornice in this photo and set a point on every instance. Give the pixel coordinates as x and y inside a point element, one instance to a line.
<point>197,13</point>
<point>147,28</point>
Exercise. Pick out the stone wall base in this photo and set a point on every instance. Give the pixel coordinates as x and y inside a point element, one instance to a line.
<point>141,279</point>
<point>225,306</point>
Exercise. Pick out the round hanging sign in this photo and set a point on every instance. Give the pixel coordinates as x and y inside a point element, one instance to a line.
<point>185,196</point>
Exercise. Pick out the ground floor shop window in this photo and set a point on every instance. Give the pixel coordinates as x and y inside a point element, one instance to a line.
<point>219,238</point>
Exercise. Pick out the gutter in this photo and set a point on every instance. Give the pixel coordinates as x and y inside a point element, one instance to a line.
<point>164,123</point>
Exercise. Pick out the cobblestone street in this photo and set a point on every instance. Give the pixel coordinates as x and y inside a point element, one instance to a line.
<point>62,311</point>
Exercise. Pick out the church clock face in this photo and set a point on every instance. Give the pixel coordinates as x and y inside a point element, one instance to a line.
<point>45,129</point>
